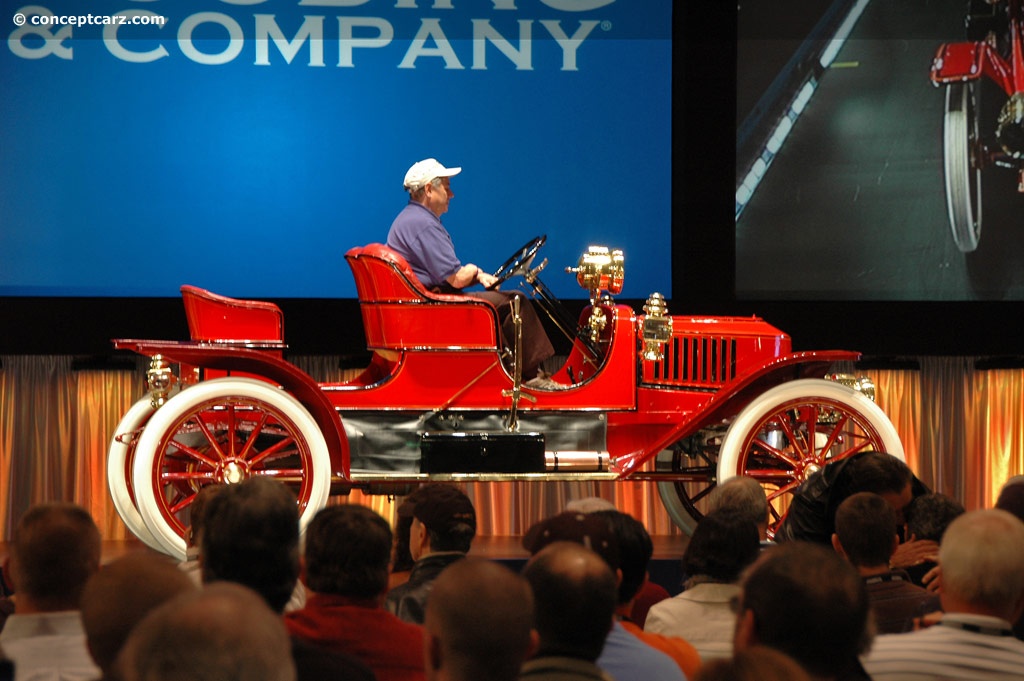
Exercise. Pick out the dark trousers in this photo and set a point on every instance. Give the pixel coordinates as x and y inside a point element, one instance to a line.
<point>536,345</point>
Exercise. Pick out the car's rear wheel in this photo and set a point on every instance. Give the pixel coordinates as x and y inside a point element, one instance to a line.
<point>120,459</point>
<point>222,432</point>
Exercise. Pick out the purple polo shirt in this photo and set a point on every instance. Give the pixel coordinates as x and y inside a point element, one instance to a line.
<point>419,237</point>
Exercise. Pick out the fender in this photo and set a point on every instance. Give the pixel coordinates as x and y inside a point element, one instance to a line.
<point>962,62</point>
<point>732,398</point>
<point>265,365</point>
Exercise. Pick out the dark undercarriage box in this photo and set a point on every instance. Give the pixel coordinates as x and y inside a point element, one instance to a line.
<point>482,452</point>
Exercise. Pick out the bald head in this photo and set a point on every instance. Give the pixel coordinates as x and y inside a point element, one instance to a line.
<point>223,631</point>
<point>479,622</point>
<point>575,595</point>
<point>982,558</point>
<point>117,597</point>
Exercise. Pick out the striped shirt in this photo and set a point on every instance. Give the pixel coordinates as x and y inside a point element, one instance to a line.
<point>962,647</point>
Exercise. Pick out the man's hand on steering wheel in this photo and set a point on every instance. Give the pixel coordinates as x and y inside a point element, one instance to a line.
<point>487,280</point>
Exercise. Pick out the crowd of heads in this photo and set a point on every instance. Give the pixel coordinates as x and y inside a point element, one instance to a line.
<point>798,610</point>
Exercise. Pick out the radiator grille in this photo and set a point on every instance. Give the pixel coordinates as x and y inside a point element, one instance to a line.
<point>697,360</point>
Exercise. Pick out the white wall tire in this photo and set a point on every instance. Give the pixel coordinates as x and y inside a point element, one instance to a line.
<point>120,457</point>
<point>794,429</point>
<point>962,172</point>
<point>225,430</point>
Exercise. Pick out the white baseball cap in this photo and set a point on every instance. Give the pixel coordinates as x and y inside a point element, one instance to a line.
<point>426,170</point>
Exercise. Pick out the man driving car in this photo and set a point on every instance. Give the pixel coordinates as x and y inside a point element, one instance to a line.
<point>418,235</point>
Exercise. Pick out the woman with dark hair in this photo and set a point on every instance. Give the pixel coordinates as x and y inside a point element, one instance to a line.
<point>723,545</point>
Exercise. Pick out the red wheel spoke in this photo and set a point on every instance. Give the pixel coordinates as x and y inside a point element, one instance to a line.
<point>797,441</point>
<point>232,429</point>
<point>850,451</point>
<point>775,452</point>
<point>184,503</point>
<point>192,453</point>
<point>769,475</point>
<point>834,436</point>
<point>250,442</point>
<point>812,431</point>
<point>782,491</point>
<point>272,450</point>
<point>211,439</point>
<point>168,477</point>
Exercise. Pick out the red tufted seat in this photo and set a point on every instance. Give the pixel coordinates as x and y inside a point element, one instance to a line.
<point>399,313</point>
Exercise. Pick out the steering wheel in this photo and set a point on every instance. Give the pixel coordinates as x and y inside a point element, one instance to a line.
<point>519,262</point>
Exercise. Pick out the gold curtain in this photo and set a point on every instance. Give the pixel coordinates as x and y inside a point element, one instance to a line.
<point>962,430</point>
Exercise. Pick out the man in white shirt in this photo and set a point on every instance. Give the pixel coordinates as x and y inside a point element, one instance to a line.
<point>982,559</point>
<point>55,549</point>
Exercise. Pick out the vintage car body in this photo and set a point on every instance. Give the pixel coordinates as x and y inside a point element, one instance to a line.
<point>640,396</point>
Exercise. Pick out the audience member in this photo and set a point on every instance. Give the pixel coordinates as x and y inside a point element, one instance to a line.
<point>744,495</point>
<point>722,545</point>
<point>193,535</point>
<point>866,536</point>
<point>442,531</point>
<point>589,505</point>
<point>625,657</point>
<point>758,663</point>
<point>805,601</point>
<point>574,594</point>
<point>223,631</point>
<point>635,551</point>
<point>6,594</point>
<point>401,557</point>
<point>118,596</point>
<point>1011,496</point>
<point>812,511</point>
<point>479,623</point>
<point>55,549</point>
<point>982,558</point>
<point>346,569</point>
<point>250,536</point>
<point>927,518</point>
<point>650,592</point>
<point>1011,500</point>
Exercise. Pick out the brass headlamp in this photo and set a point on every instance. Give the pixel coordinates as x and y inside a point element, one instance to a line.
<point>657,327</point>
<point>599,269</point>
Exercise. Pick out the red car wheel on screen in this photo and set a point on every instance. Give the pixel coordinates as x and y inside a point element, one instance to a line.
<point>224,431</point>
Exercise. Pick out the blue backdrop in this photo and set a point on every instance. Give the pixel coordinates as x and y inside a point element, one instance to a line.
<point>245,145</point>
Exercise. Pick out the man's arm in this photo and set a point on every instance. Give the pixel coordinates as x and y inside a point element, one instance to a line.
<point>470,274</point>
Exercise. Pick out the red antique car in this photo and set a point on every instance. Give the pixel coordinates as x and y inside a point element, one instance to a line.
<point>679,401</point>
